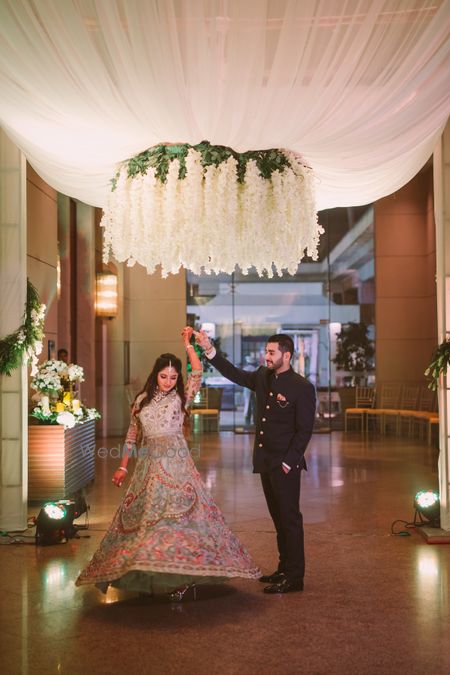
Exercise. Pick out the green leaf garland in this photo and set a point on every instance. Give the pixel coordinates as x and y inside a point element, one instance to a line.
<point>160,156</point>
<point>16,346</point>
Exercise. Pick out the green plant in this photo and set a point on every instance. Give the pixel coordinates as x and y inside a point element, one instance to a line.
<point>440,361</point>
<point>354,349</point>
<point>26,341</point>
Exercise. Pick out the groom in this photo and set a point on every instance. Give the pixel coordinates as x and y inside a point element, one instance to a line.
<point>285,412</point>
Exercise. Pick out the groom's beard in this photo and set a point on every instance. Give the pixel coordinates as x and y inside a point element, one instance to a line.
<point>273,365</point>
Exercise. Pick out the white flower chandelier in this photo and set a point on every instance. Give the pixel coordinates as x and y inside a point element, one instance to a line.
<point>208,208</point>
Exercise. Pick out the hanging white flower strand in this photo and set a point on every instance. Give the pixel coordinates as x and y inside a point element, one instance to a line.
<point>208,208</point>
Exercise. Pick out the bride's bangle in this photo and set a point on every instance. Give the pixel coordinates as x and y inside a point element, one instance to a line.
<point>122,468</point>
<point>190,347</point>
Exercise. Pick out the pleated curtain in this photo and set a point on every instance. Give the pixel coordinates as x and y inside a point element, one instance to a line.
<point>359,87</point>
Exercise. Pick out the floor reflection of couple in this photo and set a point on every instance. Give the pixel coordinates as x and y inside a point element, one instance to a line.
<point>168,535</point>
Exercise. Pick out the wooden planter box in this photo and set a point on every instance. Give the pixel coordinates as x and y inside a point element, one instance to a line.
<point>60,461</point>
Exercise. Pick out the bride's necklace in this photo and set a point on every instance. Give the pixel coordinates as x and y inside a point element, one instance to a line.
<point>159,395</point>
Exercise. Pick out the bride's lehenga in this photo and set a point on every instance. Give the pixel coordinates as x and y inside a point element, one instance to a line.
<point>167,532</point>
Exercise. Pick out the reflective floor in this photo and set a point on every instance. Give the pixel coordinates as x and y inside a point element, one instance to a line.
<point>373,602</point>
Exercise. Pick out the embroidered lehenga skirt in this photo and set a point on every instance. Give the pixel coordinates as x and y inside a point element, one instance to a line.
<point>168,531</point>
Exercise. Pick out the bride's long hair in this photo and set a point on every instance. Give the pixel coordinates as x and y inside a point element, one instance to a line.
<point>151,386</point>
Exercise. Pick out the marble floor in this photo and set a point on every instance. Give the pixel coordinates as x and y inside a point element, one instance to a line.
<point>373,603</point>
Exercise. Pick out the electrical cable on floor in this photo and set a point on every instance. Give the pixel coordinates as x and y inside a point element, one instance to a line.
<point>417,522</point>
<point>8,538</point>
<point>401,533</point>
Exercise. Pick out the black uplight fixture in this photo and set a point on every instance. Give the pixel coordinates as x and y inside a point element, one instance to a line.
<point>54,523</point>
<point>427,508</point>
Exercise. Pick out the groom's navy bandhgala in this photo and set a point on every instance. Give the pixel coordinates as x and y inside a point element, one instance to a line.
<point>285,413</point>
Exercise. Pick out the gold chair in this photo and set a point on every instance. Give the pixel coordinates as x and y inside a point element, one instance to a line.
<point>389,399</point>
<point>425,417</point>
<point>205,409</point>
<point>432,421</point>
<point>364,401</point>
<point>408,403</point>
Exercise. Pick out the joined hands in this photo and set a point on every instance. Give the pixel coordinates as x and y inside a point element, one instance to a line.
<point>201,338</point>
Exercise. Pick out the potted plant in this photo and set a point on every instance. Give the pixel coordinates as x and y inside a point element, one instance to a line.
<point>61,443</point>
<point>354,350</point>
<point>355,355</point>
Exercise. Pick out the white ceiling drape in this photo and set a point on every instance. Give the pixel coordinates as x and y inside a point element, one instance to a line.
<point>359,87</point>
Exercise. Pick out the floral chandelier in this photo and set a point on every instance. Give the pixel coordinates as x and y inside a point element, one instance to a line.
<point>208,208</point>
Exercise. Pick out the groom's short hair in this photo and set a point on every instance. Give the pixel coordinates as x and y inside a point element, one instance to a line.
<point>285,343</point>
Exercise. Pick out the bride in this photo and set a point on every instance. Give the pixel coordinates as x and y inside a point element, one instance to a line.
<point>167,535</point>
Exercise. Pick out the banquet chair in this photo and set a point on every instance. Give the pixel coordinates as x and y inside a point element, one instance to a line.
<point>205,409</point>
<point>408,403</point>
<point>364,401</point>
<point>425,417</point>
<point>389,400</point>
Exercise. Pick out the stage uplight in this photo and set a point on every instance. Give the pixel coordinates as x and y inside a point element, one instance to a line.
<point>54,523</point>
<point>427,506</point>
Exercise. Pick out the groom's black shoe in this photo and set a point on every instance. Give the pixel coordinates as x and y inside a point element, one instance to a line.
<point>274,578</point>
<point>285,586</point>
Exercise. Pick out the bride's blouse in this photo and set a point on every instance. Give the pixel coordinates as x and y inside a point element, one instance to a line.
<point>163,416</point>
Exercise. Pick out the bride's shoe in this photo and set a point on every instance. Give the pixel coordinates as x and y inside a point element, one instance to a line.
<point>179,594</point>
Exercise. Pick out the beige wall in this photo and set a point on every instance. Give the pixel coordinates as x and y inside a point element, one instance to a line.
<point>152,312</point>
<point>85,305</point>
<point>76,311</point>
<point>48,222</point>
<point>405,289</point>
<point>42,248</point>
<point>64,245</point>
<point>155,313</point>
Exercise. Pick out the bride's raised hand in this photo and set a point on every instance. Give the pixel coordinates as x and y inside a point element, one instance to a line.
<point>186,334</point>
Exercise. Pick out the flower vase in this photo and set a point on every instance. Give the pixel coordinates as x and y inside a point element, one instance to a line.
<point>67,398</point>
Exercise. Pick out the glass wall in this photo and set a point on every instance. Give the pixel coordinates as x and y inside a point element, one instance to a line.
<point>316,306</point>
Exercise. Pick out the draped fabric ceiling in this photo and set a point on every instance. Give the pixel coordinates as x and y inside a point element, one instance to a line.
<point>359,87</point>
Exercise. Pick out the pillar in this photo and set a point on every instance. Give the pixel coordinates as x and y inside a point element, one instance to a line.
<point>441,165</point>
<point>405,289</point>
<point>13,390</point>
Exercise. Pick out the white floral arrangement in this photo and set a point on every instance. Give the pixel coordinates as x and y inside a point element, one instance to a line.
<point>56,401</point>
<point>52,375</point>
<point>210,208</point>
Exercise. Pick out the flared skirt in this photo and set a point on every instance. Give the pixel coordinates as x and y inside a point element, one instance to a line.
<point>168,531</point>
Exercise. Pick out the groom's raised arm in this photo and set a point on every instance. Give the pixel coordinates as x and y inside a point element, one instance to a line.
<point>244,378</point>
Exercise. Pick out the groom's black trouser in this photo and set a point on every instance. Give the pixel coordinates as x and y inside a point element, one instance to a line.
<point>282,492</point>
